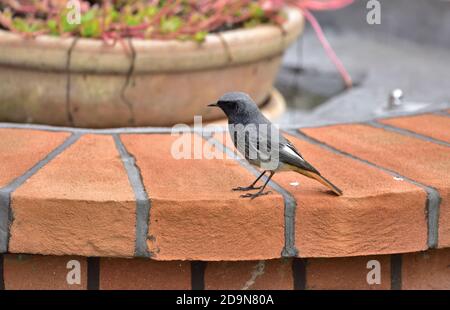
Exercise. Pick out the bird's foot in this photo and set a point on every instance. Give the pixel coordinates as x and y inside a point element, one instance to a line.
<point>246,189</point>
<point>253,196</point>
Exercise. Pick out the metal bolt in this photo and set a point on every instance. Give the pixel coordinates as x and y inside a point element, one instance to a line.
<point>395,98</point>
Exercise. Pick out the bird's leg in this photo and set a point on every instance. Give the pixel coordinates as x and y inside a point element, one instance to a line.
<point>252,186</point>
<point>261,191</point>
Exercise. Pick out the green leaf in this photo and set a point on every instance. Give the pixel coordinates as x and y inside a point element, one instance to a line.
<point>200,36</point>
<point>22,26</point>
<point>53,26</point>
<point>89,16</point>
<point>256,10</point>
<point>132,20</point>
<point>66,26</point>
<point>171,24</point>
<point>91,29</point>
<point>19,24</point>
<point>115,16</point>
<point>151,11</point>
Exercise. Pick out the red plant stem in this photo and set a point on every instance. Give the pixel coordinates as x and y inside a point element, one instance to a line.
<point>315,5</point>
<point>21,8</point>
<point>328,49</point>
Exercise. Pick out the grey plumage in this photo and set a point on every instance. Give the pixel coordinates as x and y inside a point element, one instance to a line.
<point>261,143</point>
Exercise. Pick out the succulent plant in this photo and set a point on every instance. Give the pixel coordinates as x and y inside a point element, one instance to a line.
<point>151,19</point>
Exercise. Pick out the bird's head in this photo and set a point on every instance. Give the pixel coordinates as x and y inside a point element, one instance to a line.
<point>236,105</point>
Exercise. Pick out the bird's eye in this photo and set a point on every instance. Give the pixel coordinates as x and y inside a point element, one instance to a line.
<point>236,106</point>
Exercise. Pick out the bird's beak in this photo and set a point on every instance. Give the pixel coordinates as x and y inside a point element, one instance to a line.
<point>213,105</point>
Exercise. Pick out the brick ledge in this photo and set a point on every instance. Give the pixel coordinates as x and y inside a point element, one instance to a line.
<point>118,202</point>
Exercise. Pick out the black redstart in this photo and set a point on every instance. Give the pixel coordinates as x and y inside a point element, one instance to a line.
<point>262,144</point>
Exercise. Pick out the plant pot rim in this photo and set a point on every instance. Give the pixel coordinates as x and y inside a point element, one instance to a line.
<point>85,55</point>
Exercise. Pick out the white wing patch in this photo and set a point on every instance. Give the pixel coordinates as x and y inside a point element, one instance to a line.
<point>287,149</point>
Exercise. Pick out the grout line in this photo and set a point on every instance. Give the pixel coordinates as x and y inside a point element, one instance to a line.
<point>93,273</point>
<point>143,203</point>
<point>2,271</point>
<point>299,273</point>
<point>198,275</point>
<point>6,215</point>
<point>433,198</point>
<point>396,272</point>
<point>290,205</point>
<point>407,132</point>
<point>442,113</point>
<point>58,150</point>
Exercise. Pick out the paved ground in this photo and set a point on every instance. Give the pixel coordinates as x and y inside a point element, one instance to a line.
<point>380,59</point>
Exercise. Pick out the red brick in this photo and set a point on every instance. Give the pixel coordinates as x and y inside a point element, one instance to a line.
<point>348,273</point>
<point>21,149</point>
<point>144,274</point>
<point>419,160</point>
<point>432,125</point>
<point>81,203</point>
<point>195,215</point>
<point>253,275</point>
<point>36,272</point>
<point>376,214</point>
<point>426,271</point>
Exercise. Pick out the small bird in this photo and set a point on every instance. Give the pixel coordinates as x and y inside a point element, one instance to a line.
<point>262,144</point>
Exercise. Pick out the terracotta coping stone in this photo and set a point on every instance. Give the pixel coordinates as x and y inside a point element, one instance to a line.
<point>89,211</point>
<point>413,158</point>
<point>327,226</point>
<point>22,153</point>
<point>194,213</point>
<point>121,193</point>
<point>431,125</point>
<point>376,214</point>
<point>15,154</point>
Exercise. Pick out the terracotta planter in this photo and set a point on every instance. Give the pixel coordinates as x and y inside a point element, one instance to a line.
<point>84,83</point>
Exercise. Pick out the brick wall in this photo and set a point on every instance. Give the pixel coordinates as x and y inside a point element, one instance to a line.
<point>424,270</point>
<point>77,195</point>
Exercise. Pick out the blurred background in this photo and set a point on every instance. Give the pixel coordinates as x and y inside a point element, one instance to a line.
<point>128,63</point>
<point>408,50</point>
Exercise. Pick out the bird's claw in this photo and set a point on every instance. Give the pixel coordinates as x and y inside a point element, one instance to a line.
<point>253,196</point>
<point>245,189</point>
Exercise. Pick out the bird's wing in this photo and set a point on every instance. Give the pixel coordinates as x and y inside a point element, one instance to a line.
<point>290,155</point>
<point>258,146</point>
<point>252,143</point>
